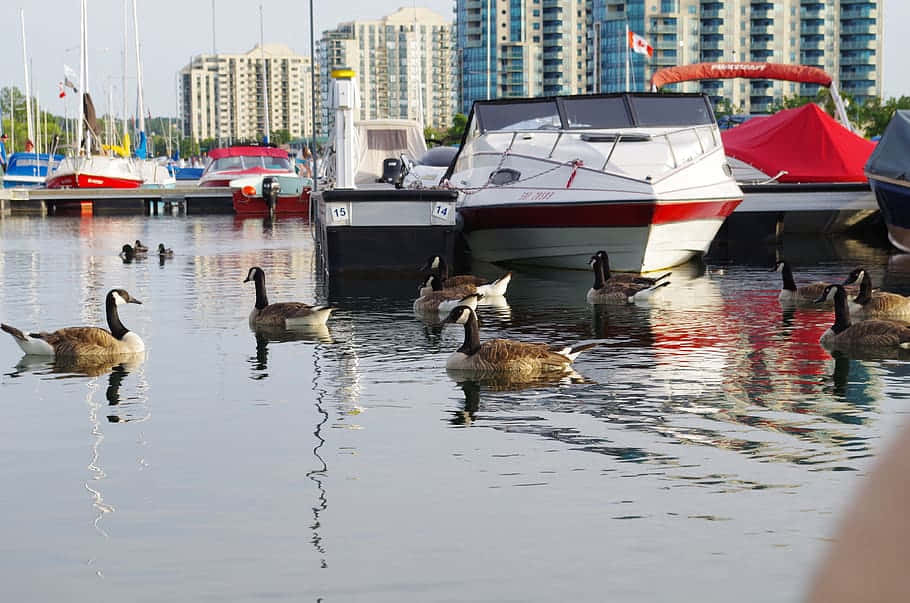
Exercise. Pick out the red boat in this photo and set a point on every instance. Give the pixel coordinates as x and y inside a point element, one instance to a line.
<point>230,163</point>
<point>95,171</point>
<point>289,195</point>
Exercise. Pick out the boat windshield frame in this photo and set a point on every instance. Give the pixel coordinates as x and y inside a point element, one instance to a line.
<point>246,162</point>
<point>593,112</point>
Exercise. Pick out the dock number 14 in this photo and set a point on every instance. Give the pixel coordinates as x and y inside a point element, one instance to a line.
<point>441,211</point>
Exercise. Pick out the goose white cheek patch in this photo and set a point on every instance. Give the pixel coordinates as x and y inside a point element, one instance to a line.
<point>118,299</point>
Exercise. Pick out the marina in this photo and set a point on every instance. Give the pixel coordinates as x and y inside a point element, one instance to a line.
<point>710,427</point>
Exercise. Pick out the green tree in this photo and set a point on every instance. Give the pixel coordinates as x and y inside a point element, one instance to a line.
<point>282,136</point>
<point>454,133</point>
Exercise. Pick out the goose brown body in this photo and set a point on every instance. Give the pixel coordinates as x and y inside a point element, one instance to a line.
<point>875,304</point>
<point>874,333</point>
<point>71,342</point>
<point>506,355</point>
<point>282,314</point>
<point>615,292</point>
<point>806,294</point>
<point>626,278</point>
<point>438,266</point>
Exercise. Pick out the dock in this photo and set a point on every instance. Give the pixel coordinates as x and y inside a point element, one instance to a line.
<point>189,199</point>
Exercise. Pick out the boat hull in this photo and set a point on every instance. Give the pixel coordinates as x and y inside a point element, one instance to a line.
<point>83,180</point>
<point>297,205</point>
<point>893,197</point>
<point>638,236</point>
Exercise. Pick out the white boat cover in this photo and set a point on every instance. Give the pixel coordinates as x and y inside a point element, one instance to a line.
<point>889,158</point>
<point>379,139</point>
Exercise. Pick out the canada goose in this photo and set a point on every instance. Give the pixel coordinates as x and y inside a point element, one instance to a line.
<point>85,341</point>
<point>505,355</point>
<point>139,247</point>
<point>622,277</point>
<point>437,265</point>
<point>446,299</point>
<point>865,333</point>
<point>283,314</point>
<point>613,292</point>
<point>165,252</point>
<point>791,294</point>
<point>875,304</point>
<point>128,254</point>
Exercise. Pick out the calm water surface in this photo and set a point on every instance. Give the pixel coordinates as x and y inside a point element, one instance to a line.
<point>703,453</point>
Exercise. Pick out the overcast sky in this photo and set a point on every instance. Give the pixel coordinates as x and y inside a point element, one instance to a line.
<point>172,31</point>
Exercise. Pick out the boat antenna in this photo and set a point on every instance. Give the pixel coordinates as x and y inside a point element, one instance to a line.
<point>313,91</point>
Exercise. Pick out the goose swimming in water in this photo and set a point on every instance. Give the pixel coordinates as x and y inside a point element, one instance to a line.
<point>139,247</point>
<point>85,341</point>
<point>875,304</point>
<point>282,314</point>
<point>807,294</point>
<point>443,300</point>
<point>613,292</point>
<point>165,252</point>
<point>863,334</point>
<point>438,266</point>
<point>506,355</point>
<point>622,277</point>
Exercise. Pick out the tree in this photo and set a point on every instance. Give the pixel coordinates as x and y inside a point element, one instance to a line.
<point>869,118</point>
<point>280,137</point>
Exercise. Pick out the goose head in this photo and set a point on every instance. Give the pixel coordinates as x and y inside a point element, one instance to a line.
<point>780,265</point>
<point>434,262</point>
<point>255,273</point>
<point>122,296</point>
<point>831,292</point>
<point>163,250</point>
<point>459,315</point>
<point>127,251</point>
<point>854,276</point>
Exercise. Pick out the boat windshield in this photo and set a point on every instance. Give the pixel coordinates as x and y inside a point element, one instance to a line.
<point>666,110</point>
<point>247,162</point>
<point>597,112</point>
<point>519,116</point>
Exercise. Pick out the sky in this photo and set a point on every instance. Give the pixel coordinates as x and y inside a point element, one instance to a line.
<point>172,31</point>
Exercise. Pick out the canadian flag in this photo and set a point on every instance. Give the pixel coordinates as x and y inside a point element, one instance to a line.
<point>639,44</point>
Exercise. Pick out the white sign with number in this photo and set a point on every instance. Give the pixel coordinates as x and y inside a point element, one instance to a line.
<point>444,212</point>
<point>339,214</point>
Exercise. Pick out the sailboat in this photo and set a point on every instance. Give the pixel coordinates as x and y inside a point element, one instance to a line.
<point>29,167</point>
<point>87,167</point>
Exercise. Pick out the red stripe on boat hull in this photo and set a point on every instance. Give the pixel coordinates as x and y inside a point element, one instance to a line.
<point>90,181</point>
<point>287,206</point>
<point>614,213</point>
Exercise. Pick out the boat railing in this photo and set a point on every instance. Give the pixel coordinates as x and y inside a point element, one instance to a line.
<point>680,147</point>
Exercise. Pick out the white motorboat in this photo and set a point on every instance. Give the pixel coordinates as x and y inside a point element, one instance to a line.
<point>550,181</point>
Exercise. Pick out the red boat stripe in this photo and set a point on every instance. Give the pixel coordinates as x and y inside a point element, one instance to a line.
<point>594,214</point>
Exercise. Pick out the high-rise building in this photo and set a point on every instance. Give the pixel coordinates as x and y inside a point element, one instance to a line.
<point>520,48</point>
<point>403,65</point>
<point>221,95</point>
<point>842,37</point>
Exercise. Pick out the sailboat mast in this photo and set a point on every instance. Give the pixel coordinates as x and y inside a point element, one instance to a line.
<point>126,46</point>
<point>140,109</point>
<point>28,88</point>
<point>265,80</point>
<point>81,122</point>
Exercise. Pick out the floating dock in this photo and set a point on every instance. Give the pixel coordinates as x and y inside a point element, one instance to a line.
<point>107,201</point>
<point>383,231</point>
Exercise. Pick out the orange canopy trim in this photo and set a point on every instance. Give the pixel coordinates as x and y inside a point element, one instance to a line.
<point>717,71</point>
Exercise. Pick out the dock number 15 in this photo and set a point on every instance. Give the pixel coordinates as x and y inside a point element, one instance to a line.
<point>339,213</point>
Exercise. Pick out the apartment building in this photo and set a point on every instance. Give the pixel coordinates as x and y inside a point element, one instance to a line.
<point>521,48</point>
<point>842,37</point>
<point>222,95</point>
<point>403,65</point>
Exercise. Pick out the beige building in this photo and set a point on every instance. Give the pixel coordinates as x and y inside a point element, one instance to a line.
<point>403,64</point>
<point>221,95</point>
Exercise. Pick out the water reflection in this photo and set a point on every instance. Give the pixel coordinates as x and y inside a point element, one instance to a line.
<point>268,335</point>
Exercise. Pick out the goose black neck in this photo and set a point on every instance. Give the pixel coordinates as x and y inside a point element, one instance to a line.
<point>599,280</point>
<point>471,336</point>
<point>262,299</point>
<point>605,267</point>
<point>113,317</point>
<point>443,270</point>
<point>841,311</point>
<point>865,290</point>
<point>436,283</point>
<point>787,274</point>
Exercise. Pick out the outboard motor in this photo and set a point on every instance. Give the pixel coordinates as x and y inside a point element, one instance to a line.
<point>270,189</point>
<point>392,171</point>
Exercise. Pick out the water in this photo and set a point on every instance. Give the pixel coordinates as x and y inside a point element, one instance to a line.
<point>704,451</point>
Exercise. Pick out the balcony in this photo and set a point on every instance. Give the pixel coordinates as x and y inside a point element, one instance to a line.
<point>712,44</point>
<point>761,44</point>
<point>666,44</point>
<point>711,12</point>
<point>663,29</point>
<point>864,28</point>
<point>858,45</point>
<point>857,61</point>
<point>711,29</point>
<point>762,29</point>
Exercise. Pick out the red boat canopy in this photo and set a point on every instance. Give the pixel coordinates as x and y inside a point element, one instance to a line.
<point>805,142</point>
<point>247,152</point>
<point>719,71</point>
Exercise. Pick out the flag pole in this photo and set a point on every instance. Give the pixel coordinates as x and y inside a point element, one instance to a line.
<point>628,57</point>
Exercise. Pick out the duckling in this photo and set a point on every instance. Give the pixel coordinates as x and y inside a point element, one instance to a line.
<point>622,277</point>
<point>165,252</point>
<point>505,355</point>
<point>875,304</point>
<point>139,247</point>
<point>612,292</point>
<point>438,266</point>
<point>865,333</point>
<point>85,341</point>
<point>283,314</point>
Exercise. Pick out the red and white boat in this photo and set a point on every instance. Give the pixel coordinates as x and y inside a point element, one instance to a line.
<point>243,168</point>
<point>550,181</point>
<point>96,171</point>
